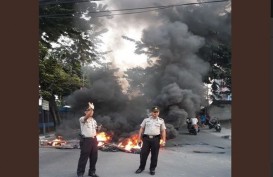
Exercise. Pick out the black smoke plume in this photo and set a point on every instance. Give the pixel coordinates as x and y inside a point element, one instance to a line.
<point>172,39</point>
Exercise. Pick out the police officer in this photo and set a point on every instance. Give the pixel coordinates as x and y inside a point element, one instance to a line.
<point>88,143</point>
<point>152,128</point>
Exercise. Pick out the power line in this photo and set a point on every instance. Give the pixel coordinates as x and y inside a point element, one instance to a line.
<point>154,8</point>
<point>126,13</point>
<point>141,8</point>
<point>157,8</point>
<point>50,2</point>
<point>65,15</point>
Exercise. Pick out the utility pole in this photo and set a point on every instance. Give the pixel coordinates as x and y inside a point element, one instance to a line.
<point>43,115</point>
<point>45,106</point>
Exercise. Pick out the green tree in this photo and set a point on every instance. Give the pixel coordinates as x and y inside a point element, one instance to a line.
<point>55,80</point>
<point>219,58</point>
<point>75,33</point>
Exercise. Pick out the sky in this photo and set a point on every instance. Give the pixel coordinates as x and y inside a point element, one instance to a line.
<point>130,25</point>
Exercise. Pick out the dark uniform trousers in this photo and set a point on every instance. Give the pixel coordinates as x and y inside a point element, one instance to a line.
<point>153,145</point>
<point>89,149</point>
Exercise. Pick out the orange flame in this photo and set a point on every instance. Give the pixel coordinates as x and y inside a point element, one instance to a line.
<point>129,143</point>
<point>57,142</point>
<point>103,138</point>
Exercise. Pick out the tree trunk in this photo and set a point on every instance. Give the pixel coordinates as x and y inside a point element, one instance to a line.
<point>54,111</point>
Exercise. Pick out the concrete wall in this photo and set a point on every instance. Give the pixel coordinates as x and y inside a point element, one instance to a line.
<point>220,110</point>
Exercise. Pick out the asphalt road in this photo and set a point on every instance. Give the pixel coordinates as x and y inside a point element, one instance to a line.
<point>207,154</point>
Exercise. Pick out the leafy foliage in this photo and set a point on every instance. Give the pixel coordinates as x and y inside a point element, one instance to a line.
<point>74,33</point>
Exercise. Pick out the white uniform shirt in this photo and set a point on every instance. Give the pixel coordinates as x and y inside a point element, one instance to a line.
<point>194,121</point>
<point>88,128</point>
<point>153,126</point>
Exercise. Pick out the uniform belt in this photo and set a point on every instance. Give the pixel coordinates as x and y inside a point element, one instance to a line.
<point>151,136</point>
<point>89,137</point>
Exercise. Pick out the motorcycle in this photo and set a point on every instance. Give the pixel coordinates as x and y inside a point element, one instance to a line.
<point>214,123</point>
<point>193,129</point>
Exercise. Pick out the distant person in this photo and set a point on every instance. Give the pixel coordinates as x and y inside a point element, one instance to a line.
<point>151,130</point>
<point>88,143</point>
<point>194,122</point>
<point>203,119</point>
<point>207,119</point>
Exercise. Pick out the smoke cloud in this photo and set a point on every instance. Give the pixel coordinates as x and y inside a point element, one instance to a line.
<point>172,39</point>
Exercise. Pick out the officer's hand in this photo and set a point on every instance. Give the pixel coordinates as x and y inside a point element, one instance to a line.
<point>163,143</point>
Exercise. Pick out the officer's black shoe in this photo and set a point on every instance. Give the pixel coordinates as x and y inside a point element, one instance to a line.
<point>139,170</point>
<point>152,172</point>
<point>93,175</point>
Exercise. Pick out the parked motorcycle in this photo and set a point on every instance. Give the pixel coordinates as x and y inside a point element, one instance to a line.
<point>193,129</point>
<point>214,123</point>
